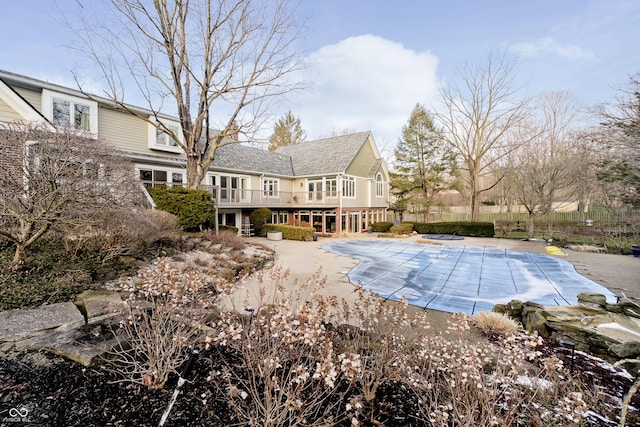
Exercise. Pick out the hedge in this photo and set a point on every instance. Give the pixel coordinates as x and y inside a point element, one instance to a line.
<point>381,227</point>
<point>231,228</point>
<point>471,229</point>
<point>194,208</point>
<point>404,228</point>
<point>291,232</point>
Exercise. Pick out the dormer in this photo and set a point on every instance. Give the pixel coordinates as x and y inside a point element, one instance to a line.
<point>64,110</point>
<point>160,140</point>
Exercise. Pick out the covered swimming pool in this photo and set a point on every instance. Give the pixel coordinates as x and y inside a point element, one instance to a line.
<point>462,279</point>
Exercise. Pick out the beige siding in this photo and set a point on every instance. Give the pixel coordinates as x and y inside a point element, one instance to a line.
<point>287,185</point>
<point>363,162</point>
<point>123,130</point>
<point>8,114</point>
<point>32,97</point>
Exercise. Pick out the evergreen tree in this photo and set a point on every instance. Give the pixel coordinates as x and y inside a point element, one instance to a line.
<point>424,164</point>
<point>287,131</point>
<point>619,167</point>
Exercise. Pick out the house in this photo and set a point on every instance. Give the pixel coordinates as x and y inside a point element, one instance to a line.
<point>337,185</point>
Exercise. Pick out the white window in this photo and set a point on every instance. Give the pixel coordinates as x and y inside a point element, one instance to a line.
<point>161,140</point>
<point>159,177</point>
<point>315,190</point>
<point>65,110</point>
<point>176,178</point>
<point>153,177</point>
<point>348,186</point>
<point>379,186</point>
<point>270,187</point>
<point>332,187</point>
<point>231,188</point>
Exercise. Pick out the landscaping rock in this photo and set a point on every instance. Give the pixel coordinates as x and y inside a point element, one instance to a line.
<point>89,345</point>
<point>594,326</point>
<point>514,308</point>
<point>592,298</point>
<point>24,323</point>
<point>97,306</point>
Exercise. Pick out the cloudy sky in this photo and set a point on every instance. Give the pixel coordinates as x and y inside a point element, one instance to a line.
<point>371,61</point>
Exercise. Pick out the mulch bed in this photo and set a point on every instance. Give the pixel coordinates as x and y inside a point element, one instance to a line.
<point>40,389</point>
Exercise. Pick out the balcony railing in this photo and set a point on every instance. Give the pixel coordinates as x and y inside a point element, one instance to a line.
<point>229,197</point>
<point>236,197</point>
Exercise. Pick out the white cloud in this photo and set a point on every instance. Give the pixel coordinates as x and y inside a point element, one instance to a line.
<point>364,83</point>
<point>547,45</point>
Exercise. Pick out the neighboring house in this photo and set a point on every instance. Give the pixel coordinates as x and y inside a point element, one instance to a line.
<point>337,185</point>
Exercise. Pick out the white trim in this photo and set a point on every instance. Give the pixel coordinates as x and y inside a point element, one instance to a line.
<point>47,107</point>
<point>19,105</point>
<point>168,170</point>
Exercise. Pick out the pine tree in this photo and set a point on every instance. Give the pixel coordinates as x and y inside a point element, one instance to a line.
<point>424,164</point>
<point>287,131</point>
<point>619,166</point>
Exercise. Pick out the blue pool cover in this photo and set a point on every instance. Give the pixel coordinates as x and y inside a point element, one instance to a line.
<point>463,279</point>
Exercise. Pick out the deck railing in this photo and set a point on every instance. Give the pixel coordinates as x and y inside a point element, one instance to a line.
<point>237,197</point>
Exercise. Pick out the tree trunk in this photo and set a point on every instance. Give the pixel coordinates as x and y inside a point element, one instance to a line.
<point>195,172</point>
<point>530,226</point>
<point>475,199</point>
<point>18,256</point>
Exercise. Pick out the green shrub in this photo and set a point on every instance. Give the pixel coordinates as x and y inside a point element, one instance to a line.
<point>194,208</point>
<point>471,229</point>
<point>291,232</point>
<point>228,228</point>
<point>404,228</point>
<point>381,227</point>
<point>259,218</point>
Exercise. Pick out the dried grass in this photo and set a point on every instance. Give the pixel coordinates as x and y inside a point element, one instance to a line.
<point>496,323</point>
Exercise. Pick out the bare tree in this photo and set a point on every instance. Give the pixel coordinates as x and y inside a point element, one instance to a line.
<point>222,62</point>
<point>287,130</point>
<point>479,113</point>
<point>65,178</point>
<point>544,172</point>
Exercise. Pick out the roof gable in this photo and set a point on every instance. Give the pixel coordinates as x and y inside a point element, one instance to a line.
<point>19,104</point>
<point>324,156</point>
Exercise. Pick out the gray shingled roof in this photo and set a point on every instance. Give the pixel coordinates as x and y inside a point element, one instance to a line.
<point>248,159</point>
<point>324,156</point>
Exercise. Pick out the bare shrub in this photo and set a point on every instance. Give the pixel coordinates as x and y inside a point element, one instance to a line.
<point>504,383</point>
<point>227,239</point>
<point>169,302</point>
<point>283,369</point>
<point>119,232</point>
<point>152,341</point>
<point>66,179</point>
<point>504,226</point>
<point>162,221</point>
<point>496,323</point>
<point>380,332</point>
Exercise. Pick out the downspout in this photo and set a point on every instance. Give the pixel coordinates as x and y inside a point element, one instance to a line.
<point>339,213</point>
